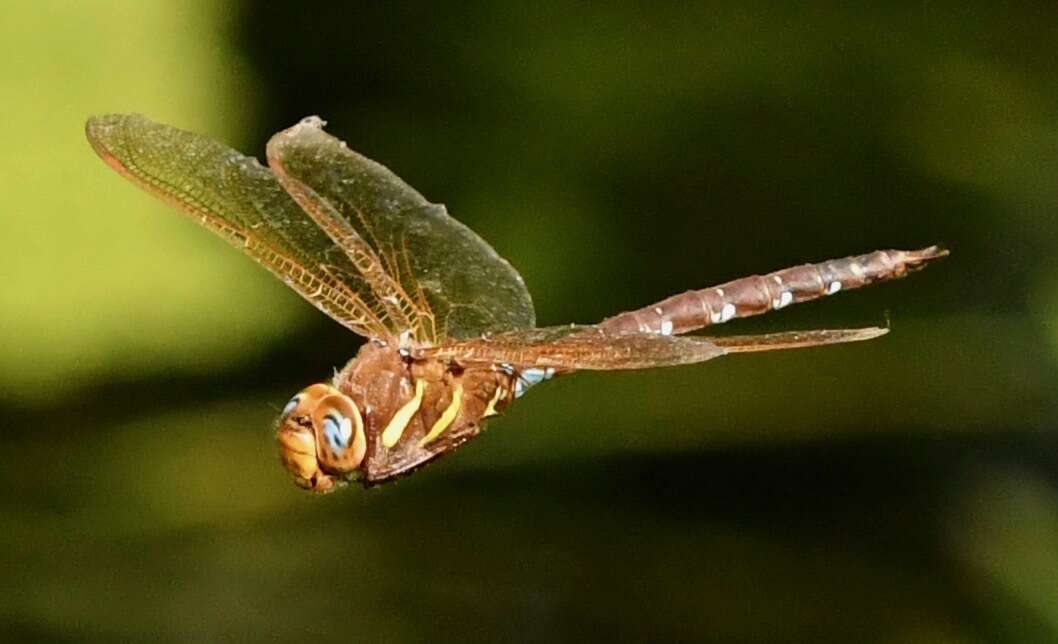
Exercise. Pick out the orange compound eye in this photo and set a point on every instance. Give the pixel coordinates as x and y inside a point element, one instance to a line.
<point>339,431</point>
<point>305,401</point>
<point>297,438</point>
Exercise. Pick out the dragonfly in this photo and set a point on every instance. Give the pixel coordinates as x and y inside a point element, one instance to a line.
<point>450,327</point>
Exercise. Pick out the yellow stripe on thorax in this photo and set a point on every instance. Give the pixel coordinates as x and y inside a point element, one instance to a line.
<point>393,431</point>
<point>491,409</point>
<point>447,417</point>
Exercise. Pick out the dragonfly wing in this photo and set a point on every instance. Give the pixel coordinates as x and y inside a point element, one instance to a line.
<point>577,347</point>
<point>571,348</point>
<point>458,285</point>
<point>795,339</point>
<point>239,199</point>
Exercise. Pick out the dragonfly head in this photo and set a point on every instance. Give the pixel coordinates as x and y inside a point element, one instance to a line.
<point>321,438</point>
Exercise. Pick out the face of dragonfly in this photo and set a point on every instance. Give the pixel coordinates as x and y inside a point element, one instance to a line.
<point>321,438</point>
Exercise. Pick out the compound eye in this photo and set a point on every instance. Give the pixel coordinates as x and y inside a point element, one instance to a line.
<point>291,406</point>
<point>340,440</point>
<point>338,430</point>
<point>305,400</point>
<point>297,440</point>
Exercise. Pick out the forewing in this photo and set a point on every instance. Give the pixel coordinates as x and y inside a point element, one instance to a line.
<point>239,199</point>
<point>570,348</point>
<point>459,284</point>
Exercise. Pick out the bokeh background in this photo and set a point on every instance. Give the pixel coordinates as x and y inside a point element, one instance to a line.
<point>903,490</point>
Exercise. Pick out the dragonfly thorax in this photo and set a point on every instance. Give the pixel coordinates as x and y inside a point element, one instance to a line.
<point>385,415</point>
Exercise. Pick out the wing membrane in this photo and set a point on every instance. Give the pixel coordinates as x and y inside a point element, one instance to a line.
<point>452,284</point>
<point>795,339</point>
<point>579,347</point>
<point>573,347</point>
<point>236,197</point>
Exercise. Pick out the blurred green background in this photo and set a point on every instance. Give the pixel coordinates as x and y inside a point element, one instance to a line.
<point>903,490</point>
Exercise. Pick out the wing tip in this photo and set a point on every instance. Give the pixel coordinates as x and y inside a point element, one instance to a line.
<point>96,128</point>
<point>103,130</point>
<point>100,132</point>
<point>869,333</point>
<point>312,125</point>
<point>797,339</point>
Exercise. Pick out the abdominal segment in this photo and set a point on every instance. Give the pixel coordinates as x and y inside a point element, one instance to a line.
<point>759,294</point>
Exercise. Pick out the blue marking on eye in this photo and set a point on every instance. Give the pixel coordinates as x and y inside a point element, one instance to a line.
<point>292,405</point>
<point>332,430</point>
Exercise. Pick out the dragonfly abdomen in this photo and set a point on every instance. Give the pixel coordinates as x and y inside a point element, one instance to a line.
<point>763,293</point>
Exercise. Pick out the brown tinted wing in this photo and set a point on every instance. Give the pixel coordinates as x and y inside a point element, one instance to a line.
<point>795,339</point>
<point>570,348</point>
<point>239,199</point>
<point>447,281</point>
<point>577,347</point>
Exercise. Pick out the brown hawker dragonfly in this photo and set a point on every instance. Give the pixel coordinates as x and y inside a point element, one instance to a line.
<point>450,324</point>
